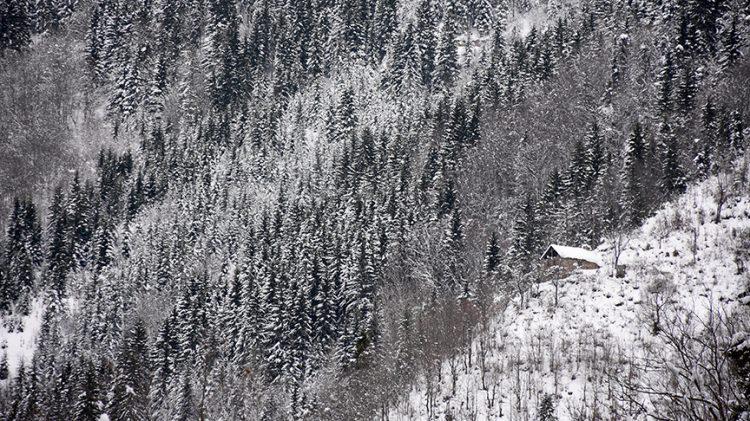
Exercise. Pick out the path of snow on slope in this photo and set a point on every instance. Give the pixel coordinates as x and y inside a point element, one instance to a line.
<point>19,344</point>
<point>595,323</point>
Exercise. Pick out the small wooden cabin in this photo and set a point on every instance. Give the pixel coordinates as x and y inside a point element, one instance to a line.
<point>566,259</point>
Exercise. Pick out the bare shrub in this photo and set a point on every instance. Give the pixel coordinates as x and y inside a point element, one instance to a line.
<point>655,299</point>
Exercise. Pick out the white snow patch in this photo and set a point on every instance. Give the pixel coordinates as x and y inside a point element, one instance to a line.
<point>19,339</point>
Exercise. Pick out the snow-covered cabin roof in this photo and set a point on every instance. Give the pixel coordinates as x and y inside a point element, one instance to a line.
<point>576,253</point>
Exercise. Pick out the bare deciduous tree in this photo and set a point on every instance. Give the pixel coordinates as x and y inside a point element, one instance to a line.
<point>656,298</point>
<point>721,194</point>
<point>685,373</point>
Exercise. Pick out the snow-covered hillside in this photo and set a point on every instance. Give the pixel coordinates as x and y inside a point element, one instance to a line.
<point>680,257</point>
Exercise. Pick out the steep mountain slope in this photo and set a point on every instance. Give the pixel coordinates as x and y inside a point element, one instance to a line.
<point>571,342</point>
<point>310,203</point>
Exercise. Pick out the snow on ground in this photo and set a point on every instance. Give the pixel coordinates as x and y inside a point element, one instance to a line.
<point>18,335</point>
<point>18,343</point>
<point>534,348</point>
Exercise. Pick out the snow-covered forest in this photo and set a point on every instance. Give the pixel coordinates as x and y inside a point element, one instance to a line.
<point>343,210</point>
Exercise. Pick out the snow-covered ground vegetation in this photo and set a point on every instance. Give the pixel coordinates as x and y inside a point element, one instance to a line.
<point>653,343</point>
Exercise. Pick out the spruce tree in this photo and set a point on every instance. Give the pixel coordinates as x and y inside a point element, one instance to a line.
<point>705,15</point>
<point>58,256</point>
<point>19,256</point>
<point>128,91</point>
<point>546,411</point>
<point>425,40</point>
<point>491,255</point>
<point>704,156</point>
<point>634,175</point>
<point>221,52</point>
<point>666,83</point>
<point>63,391</point>
<point>525,240</point>
<point>458,133</point>
<point>103,246</point>
<point>131,383</point>
<point>87,390</point>
<point>731,44</point>
<point>4,373</point>
<point>595,154</point>
<point>687,37</point>
<point>405,66</point>
<point>186,410</point>
<point>453,244</point>
<point>96,52</point>
<point>164,354</point>
<point>736,133</point>
<point>352,29</point>
<point>384,27</point>
<point>550,205</point>
<point>346,116</point>
<point>673,175</point>
<point>687,88</point>
<point>446,65</point>
<point>15,26</point>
